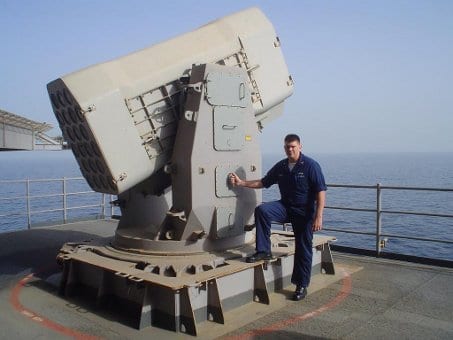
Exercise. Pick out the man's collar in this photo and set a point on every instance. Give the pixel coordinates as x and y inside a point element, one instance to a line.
<point>299,160</point>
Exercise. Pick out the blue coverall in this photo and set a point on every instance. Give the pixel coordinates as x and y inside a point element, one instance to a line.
<point>298,190</point>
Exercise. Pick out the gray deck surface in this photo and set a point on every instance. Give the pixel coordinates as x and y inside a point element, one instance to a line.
<point>367,299</point>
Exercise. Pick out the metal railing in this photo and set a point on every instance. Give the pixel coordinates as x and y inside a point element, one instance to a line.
<point>106,210</point>
<point>25,195</point>
<point>381,237</point>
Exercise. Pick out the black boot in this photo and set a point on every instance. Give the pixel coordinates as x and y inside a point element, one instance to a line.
<point>259,256</point>
<point>300,293</point>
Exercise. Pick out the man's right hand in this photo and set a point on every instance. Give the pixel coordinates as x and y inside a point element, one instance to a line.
<point>234,179</point>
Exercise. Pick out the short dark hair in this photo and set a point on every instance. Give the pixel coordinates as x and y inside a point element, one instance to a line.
<point>291,138</point>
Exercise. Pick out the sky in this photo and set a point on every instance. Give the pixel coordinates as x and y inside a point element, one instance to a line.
<point>370,76</point>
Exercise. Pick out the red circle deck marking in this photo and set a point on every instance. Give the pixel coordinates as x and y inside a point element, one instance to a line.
<point>14,300</point>
<point>344,292</point>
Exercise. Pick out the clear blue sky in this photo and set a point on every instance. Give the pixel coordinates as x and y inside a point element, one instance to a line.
<point>369,76</point>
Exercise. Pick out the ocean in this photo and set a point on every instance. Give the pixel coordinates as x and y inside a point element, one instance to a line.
<point>427,170</point>
<point>37,166</point>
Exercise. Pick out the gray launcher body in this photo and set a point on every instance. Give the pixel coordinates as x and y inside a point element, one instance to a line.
<point>163,127</point>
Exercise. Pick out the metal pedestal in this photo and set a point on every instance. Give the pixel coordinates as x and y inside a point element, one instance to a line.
<point>177,292</point>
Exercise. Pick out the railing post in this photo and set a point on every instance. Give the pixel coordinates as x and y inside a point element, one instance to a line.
<point>27,186</point>
<point>65,216</point>
<point>103,206</point>
<point>378,219</point>
<point>111,206</point>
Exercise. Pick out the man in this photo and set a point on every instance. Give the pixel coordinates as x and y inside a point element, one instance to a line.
<point>303,193</point>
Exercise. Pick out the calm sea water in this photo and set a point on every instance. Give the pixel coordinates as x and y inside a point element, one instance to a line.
<point>46,195</point>
<point>433,170</point>
<point>427,170</point>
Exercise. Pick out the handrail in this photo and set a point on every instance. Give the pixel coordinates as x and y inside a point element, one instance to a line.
<point>30,196</point>
<point>379,235</point>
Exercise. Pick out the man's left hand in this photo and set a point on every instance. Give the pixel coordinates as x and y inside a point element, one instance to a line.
<point>317,224</point>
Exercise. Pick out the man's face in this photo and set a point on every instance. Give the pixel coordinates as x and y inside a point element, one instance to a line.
<point>292,150</point>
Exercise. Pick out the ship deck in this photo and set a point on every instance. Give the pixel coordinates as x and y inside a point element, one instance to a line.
<point>366,298</point>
